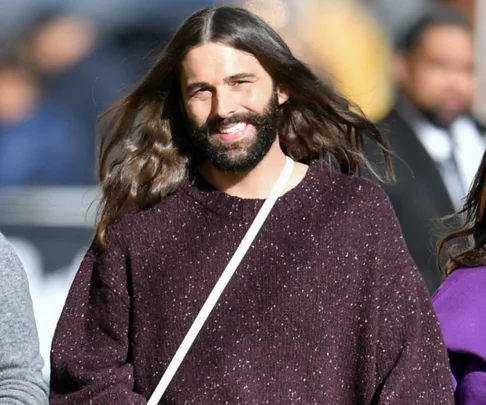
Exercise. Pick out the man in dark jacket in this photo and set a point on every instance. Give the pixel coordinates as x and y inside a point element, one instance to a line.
<point>437,143</point>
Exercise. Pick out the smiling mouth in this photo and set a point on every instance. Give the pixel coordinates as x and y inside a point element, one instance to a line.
<point>232,132</point>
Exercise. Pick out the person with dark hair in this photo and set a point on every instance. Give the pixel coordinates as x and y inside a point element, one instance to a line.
<point>80,71</point>
<point>326,307</point>
<point>54,158</point>
<point>436,143</point>
<point>21,381</point>
<point>461,300</point>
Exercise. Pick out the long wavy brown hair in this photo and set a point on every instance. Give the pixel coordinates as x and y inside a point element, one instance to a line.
<point>465,246</point>
<point>144,153</point>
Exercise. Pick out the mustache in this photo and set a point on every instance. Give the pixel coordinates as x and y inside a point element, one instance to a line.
<point>212,124</point>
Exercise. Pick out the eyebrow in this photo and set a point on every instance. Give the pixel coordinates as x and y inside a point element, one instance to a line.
<point>200,85</point>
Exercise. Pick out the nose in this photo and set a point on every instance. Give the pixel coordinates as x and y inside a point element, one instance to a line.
<point>224,104</point>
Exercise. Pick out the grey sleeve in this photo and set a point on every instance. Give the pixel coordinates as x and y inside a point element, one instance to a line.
<point>21,381</point>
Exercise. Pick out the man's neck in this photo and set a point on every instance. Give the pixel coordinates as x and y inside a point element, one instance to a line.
<point>256,183</point>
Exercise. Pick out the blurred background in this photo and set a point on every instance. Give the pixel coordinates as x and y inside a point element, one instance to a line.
<point>62,63</point>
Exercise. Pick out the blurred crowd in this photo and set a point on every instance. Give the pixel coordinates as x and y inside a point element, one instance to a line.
<point>59,73</point>
<point>410,65</point>
<point>61,67</point>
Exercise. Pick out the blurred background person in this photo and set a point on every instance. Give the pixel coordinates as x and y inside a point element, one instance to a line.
<point>40,140</point>
<point>437,142</point>
<point>78,68</point>
<point>461,300</point>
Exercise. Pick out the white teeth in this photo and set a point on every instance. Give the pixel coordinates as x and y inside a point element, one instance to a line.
<point>235,128</point>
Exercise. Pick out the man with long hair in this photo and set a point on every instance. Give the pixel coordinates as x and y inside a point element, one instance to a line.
<point>325,308</point>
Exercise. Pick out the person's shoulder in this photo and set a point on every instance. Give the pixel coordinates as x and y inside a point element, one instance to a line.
<point>137,220</point>
<point>459,304</point>
<point>12,271</point>
<point>357,191</point>
<point>464,286</point>
<point>8,255</point>
<point>4,243</point>
<point>358,202</point>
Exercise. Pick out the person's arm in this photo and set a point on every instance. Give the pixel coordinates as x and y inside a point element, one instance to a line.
<point>412,364</point>
<point>471,387</point>
<point>21,381</point>
<point>89,356</point>
<point>460,305</point>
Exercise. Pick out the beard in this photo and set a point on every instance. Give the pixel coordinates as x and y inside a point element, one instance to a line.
<point>438,117</point>
<point>239,156</point>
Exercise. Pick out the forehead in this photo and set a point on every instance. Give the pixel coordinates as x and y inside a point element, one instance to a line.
<point>213,62</point>
<point>450,39</point>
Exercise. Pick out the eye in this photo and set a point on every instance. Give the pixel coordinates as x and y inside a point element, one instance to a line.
<point>241,82</point>
<point>200,93</point>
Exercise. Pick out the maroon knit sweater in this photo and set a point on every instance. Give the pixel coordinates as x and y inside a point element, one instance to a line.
<point>326,308</point>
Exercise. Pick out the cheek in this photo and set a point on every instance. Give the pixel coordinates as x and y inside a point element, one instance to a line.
<point>424,76</point>
<point>198,113</point>
<point>427,83</point>
<point>257,99</point>
<point>467,85</point>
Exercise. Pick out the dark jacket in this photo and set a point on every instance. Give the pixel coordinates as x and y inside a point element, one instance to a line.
<point>419,195</point>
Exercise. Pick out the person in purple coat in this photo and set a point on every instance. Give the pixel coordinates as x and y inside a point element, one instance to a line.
<point>460,302</point>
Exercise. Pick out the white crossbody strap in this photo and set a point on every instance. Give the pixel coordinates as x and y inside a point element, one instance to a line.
<point>222,283</point>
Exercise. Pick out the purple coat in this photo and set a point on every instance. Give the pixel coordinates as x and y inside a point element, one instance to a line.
<point>460,304</point>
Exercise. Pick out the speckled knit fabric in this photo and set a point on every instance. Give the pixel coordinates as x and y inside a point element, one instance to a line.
<point>326,308</point>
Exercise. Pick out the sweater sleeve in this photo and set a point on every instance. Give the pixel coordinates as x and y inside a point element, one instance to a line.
<point>89,357</point>
<point>21,381</point>
<point>460,304</point>
<point>412,364</point>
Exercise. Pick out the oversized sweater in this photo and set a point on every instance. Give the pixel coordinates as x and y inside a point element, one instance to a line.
<point>460,304</point>
<point>326,308</point>
<point>21,381</point>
